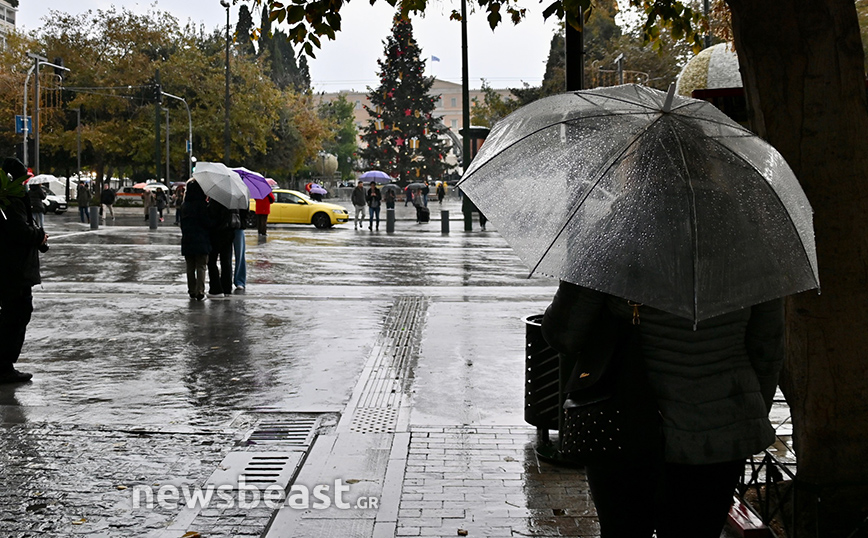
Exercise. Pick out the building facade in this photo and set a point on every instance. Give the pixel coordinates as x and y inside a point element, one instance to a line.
<point>7,20</point>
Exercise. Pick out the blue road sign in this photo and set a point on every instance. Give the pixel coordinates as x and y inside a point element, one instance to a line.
<point>19,124</point>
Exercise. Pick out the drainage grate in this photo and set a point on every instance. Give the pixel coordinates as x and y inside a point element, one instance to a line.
<point>290,432</point>
<point>256,469</point>
<point>374,420</point>
<point>399,347</point>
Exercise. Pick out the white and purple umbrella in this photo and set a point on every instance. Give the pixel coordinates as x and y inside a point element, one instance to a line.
<point>259,187</point>
<point>317,189</point>
<point>376,175</point>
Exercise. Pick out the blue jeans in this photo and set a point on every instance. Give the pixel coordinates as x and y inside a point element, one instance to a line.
<point>83,214</point>
<point>240,247</point>
<point>374,211</point>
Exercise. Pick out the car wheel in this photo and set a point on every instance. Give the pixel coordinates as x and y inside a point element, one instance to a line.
<point>321,221</point>
<point>59,211</point>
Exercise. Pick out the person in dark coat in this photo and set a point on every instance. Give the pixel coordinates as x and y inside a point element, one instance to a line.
<point>161,201</point>
<point>20,241</point>
<point>82,196</point>
<point>37,195</point>
<point>714,382</point>
<point>373,199</point>
<point>195,238</point>
<point>107,201</point>
<point>222,236</point>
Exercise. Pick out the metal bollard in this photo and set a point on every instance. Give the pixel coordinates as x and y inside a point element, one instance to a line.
<point>152,217</point>
<point>390,220</point>
<point>444,221</point>
<point>94,217</point>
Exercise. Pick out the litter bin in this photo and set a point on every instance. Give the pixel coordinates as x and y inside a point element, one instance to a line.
<point>541,379</point>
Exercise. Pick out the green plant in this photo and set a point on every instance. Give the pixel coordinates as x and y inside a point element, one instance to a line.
<point>10,188</point>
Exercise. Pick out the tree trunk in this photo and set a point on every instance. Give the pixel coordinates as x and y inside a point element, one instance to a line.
<point>802,66</point>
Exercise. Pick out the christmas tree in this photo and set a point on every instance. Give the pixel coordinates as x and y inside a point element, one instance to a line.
<point>401,136</point>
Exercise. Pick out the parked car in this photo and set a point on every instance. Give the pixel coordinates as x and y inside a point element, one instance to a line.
<point>293,207</point>
<point>54,203</point>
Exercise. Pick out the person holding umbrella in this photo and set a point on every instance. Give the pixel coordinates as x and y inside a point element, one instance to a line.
<point>373,199</point>
<point>221,235</point>
<point>195,238</point>
<point>358,200</point>
<point>694,255</point>
<point>263,209</point>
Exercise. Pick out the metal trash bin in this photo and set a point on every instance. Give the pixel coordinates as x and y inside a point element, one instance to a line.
<point>542,389</point>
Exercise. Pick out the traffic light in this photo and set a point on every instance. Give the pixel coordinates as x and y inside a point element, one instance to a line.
<point>58,71</point>
<point>158,93</point>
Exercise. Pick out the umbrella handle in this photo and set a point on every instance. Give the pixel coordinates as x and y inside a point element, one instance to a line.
<point>670,95</point>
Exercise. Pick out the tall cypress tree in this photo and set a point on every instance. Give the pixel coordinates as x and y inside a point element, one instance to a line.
<point>401,135</point>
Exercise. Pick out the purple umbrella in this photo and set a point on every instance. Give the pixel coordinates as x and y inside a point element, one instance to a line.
<point>317,189</point>
<point>375,175</point>
<point>259,188</point>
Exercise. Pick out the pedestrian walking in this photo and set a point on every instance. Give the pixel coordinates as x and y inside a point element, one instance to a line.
<point>107,200</point>
<point>147,202</point>
<point>263,209</point>
<point>177,201</point>
<point>239,247</point>
<point>714,382</point>
<point>373,198</point>
<point>358,199</point>
<point>195,238</point>
<point>425,190</point>
<point>83,199</point>
<point>220,257</point>
<point>20,241</point>
<point>36,196</point>
<point>441,191</point>
<point>161,201</point>
<point>389,197</point>
<point>408,196</point>
<point>423,214</point>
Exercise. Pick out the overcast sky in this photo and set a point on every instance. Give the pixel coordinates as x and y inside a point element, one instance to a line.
<point>505,58</point>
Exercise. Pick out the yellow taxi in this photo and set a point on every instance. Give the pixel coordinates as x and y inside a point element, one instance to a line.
<point>293,207</point>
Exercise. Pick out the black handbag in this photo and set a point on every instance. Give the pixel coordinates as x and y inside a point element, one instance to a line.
<point>610,411</point>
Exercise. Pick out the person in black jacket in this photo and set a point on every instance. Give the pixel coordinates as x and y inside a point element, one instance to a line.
<point>195,238</point>
<point>222,235</point>
<point>20,240</point>
<point>107,200</point>
<point>37,195</point>
<point>373,199</point>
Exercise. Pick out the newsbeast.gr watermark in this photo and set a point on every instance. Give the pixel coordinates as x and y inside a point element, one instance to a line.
<point>247,497</point>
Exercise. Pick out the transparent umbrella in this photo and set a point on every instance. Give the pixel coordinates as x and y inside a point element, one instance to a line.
<point>652,197</point>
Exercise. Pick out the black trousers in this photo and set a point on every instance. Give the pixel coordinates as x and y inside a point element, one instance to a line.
<point>680,501</point>
<point>16,306</point>
<point>220,278</point>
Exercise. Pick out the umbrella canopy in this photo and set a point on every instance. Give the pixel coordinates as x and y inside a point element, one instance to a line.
<point>375,175</point>
<point>658,199</point>
<point>41,178</point>
<point>271,182</point>
<point>259,188</point>
<point>390,187</point>
<point>222,185</point>
<point>414,186</point>
<point>317,189</point>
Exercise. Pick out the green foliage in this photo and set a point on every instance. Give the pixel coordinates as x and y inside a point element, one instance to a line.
<point>342,133</point>
<point>401,116</point>
<point>10,188</point>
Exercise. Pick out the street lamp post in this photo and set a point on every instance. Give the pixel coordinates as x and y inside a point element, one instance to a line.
<point>39,60</point>
<point>189,130</point>
<point>226,138</point>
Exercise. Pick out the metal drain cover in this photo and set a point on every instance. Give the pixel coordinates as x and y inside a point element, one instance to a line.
<point>374,420</point>
<point>288,431</point>
<point>256,469</point>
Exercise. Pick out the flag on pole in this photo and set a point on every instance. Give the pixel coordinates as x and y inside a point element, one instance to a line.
<point>435,59</point>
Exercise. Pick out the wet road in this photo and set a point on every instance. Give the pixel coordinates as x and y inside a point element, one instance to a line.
<point>115,340</point>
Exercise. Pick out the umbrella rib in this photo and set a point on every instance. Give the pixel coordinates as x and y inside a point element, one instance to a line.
<point>528,135</point>
<point>602,173</point>
<point>693,224</point>
<point>766,183</point>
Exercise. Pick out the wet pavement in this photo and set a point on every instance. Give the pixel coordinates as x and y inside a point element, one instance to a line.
<point>392,363</point>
